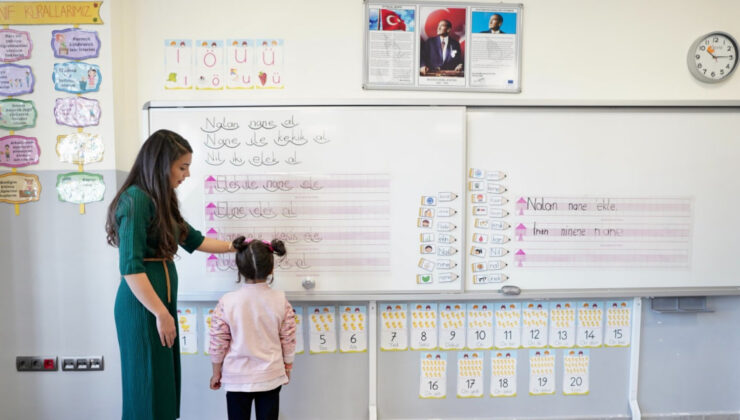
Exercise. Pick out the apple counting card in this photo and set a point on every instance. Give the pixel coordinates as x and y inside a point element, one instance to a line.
<point>433,383</point>
<point>207,314</point>
<point>299,347</point>
<point>188,330</point>
<point>424,326</point>
<point>541,372</point>
<point>618,324</point>
<point>480,326</point>
<point>562,324</point>
<point>452,326</point>
<point>590,327</point>
<point>503,373</point>
<point>353,334</point>
<point>393,327</point>
<point>323,333</point>
<point>469,374</point>
<point>575,371</point>
<point>508,330</point>
<point>534,329</point>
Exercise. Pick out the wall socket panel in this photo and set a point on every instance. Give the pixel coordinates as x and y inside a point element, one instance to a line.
<point>36,363</point>
<point>82,363</point>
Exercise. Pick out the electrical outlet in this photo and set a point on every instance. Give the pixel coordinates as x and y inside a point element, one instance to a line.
<point>82,363</point>
<point>36,363</point>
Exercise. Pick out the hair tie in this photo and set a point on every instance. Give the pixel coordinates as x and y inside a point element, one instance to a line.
<point>269,245</point>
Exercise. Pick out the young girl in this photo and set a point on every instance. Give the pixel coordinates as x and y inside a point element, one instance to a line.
<point>253,335</point>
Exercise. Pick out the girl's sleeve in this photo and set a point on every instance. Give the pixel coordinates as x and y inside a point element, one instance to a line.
<point>193,239</point>
<point>220,335</point>
<point>287,334</point>
<point>133,215</point>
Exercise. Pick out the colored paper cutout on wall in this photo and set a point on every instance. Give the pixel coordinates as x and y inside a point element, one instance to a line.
<point>77,111</point>
<point>17,151</point>
<point>14,45</point>
<point>16,80</point>
<point>76,77</point>
<point>80,148</point>
<point>19,188</point>
<point>50,13</point>
<point>75,44</point>
<point>16,114</point>
<point>80,187</point>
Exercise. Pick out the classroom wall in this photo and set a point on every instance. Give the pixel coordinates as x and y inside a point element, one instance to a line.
<point>60,278</point>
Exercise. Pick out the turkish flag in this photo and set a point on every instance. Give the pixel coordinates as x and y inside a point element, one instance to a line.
<point>390,21</point>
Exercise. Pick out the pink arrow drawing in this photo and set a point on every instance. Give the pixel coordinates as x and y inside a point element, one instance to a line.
<point>210,210</point>
<point>211,263</point>
<point>521,204</point>
<point>210,184</point>
<point>521,230</point>
<point>212,233</point>
<point>520,257</point>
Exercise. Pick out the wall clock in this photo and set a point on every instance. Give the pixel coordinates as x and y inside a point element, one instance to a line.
<point>713,57</point>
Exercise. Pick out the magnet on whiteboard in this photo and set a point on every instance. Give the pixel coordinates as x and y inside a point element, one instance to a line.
<point>499,225</point>
<point>497,200</point>
<point>445,238</point>
<point>428,200</point>
<point>499,252</point>
<point>424,279</point>
<point>476,185</point>
<point>496,265</point>
<point>495,175</point>
<point>497,212</point>
<point>499,239</point>
<point>446,212</point>
<point>447,277</point>
<point>446,251</point>
<point>476,173</point>
<point>482,223</point>
<point>496,188</point>
<point>447,196</point>
<point>478,198</point>
<point>445,227</point>
<point>308,283</point>
<point>446,264</point>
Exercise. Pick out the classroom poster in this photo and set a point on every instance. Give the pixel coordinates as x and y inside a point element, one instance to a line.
<point>534,318</point>
<point>424,326</point>
<point>433,377</point>
<point>393,327</point>
<point>562,324</point>
<point>240,56</point>
<point>618,323</point>
<point>391,44</point>
<point>353,334</point>
<point>503,373</point>
<point>299,346</point>
<point>508,331</point>
<point>207,314</point>
<point>590,328</point>
<point>541,372</point>
<point>269,64</point>
<point>178,64</point>
<point>480,326</point>
<point>188,336</point>
<point>575,371</point>
<point>323,332</point>
<point>452,326</point>
<point>209,63</point>
<point>469,374</point>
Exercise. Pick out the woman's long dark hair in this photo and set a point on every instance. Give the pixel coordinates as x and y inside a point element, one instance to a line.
<point>151,173</point>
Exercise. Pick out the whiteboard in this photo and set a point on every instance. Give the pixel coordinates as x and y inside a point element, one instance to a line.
<point>629,199</point>
<point>367,199</point>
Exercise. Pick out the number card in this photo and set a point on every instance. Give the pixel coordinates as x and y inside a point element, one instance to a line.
<point>207,314</point>
<point>575,371</point>
<point>590,324</point>
<point>508,331</point>
<point>534,318</point>
<point>188,330</point>
<point>541,372</point>
<point>424,326</point>
<point>618,324</point>
<point>562,324</point>
<point>452,326</point>
<point>480,326</point>
<point>433,383</point>
<point>393,327</point>
<point>323,335</point>
<point>299,346</point>
<point>503,373</point>
<point>469,374</point>
<point>353,335</point>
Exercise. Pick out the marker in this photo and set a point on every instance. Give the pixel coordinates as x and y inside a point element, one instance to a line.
<point>446,264</point>
<point>496,188</point>
<point>447,196</point>
<point>499,239</point>
<point>495,175</point>
<point>498,252</point>
<point>447,277</point>
<point>445,238</point>
<point>496,212</point>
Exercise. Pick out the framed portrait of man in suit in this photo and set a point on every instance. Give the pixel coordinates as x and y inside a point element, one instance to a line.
<point>442,46</point>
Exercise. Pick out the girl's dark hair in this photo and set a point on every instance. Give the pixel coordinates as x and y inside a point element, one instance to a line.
<point>254,258</point>
<point>151,173</point>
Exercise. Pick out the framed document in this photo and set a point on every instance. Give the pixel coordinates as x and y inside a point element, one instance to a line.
<point>472,47</point>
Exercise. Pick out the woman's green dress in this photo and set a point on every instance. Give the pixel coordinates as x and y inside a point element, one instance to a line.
<point>150,371</point>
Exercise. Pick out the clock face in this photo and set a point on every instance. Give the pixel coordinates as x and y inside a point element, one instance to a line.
<point>713,57</point>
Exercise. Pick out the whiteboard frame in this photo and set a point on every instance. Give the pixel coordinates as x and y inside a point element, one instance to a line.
<point>474,104</point>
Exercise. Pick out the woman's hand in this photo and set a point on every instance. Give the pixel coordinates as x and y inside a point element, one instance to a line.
<point>216,381</point>
<point>166,328</point>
